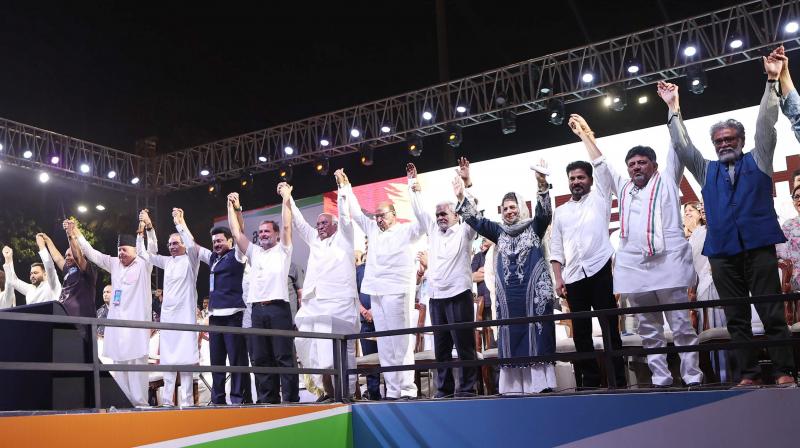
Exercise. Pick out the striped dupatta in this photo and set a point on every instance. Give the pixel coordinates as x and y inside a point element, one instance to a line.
<point>653,233</point>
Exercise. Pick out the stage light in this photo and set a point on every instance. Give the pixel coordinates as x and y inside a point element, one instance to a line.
<point>322,165</point>
<point>587,78</point>
<point>696,77</point>
<point>366,156</point>
<point>1,146</point>
<point>288,150</point>
<point>508,121</point>
<point>545,88</point>
<point>643,99</point>
<point>556,112</point>
<point>324,142</point>
<point>736,43</point>
<point>214,188</point>
<point>100,207</point>
<point>355,133</point>
<point>454,136</point>
<point>204,172</point>
<point>634,66</point>
<point>54,160</point>
<point>285,173</point>
<point>44,178</point>
<point>386,129</point>
<point>262,158</point>
<point>616,98</point>
<point>427,116</point>
<point>246,181</point>
<point>27,154</point>
<point>111,174</point>
<point>501,99</point>
<point>135,180</point>
<point>606,101</point>
<point>83,209</point>
<point>85,168</point>
<point>461,109</point>
<point>414,146</point>
<point>690,51</point>
<point>792,27</point>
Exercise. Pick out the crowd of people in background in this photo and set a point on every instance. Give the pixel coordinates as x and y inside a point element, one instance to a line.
<point>727,246</point>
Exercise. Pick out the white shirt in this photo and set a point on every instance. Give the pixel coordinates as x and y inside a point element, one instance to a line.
<point>7,296</point>
<point>48,290</point>
<point>449,253</point>
<point>204,255</point>
<point>269,269</point>
<point>132,284</point>
<point>579,239</point>
<point>390,258</point>
<point>331,272</point>
<point>633,272</point>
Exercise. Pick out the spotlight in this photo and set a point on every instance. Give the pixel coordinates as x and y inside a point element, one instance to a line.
<point>508,121</point>
<point>366,156</point>
<point>386,129</point>
<point>111,174</point>
<point>83,209</point>
<point>616,98</point>
<point>736,43</point>
<point>288,150</point>
<point>355,133</point>
<point>1,146</point>
<point>263,159</point>
<point>44,178</point>
<point>246,181</point>
<point>696,77</point>
<point>454,136</point>
<point>556,112</point>
<point>634,66</point>
<point>427,116</point>
<point>690,51</point>
<point>643,99</point>
<point>415,146</point>
<point>85,168</point>
<point>322,165</point>
<point>792,27</point>
<point>54,160</point>
<point>285,173</point>
<point>324,142</point>
<point>100,207</point>
<point>214,188</point>
<point>204,172</point>
<point>545,88</point>
<point>461,109</point>
<point>501,99</point>
<point>27,154</point>
<point>135,180</point>
<point>587,78</point>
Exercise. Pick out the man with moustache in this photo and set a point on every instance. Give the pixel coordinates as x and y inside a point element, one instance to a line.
<point>226,308</point>
<point>580,254</point>
<point>44,285</point>
<point>269,297</point>
<point>130,281</point>
<point>78,291</point>
<point>449,278</point>
<point>742,224</point>
<point>654,262</point>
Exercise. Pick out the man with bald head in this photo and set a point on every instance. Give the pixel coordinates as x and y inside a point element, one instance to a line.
<point>390,281</point>
<point>329,292</point>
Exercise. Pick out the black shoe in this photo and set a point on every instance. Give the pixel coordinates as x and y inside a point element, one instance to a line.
<point>694,384</point>
<point>324,399</point>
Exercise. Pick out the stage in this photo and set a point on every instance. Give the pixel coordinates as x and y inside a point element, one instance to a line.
<point>730,418</point>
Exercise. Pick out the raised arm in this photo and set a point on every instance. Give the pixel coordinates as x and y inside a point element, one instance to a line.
<point>790,100</point>
<point>49,266</point>
<point>469,213</point>
<point>145,254</point>
<point>237,230</point>
<point>303,228</point>
<point>606,179</point>
<point>544,209</point>
<point>179,218</point>
<point>100,259</point>
<point>285,190</point>
<point>58,259</point>
<point>426,221</point>
<point>12,281</point>
<point>766,136</point>
<point>77,253</point>
<point>356,214</point>
<point>152,243</point>
<point>685,150</point>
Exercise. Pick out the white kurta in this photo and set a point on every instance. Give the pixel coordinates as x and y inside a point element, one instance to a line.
<point>180,303</point>
<point>48,290</point>
<point>7,296</point>
<point>133,284</point>
<point>633,272</point>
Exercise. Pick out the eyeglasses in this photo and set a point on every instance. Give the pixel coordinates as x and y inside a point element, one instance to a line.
<point>725,140</point>
<point>796,197</point>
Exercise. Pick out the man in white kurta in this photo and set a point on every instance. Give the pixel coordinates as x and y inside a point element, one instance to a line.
<point>653,262</point>
<point>179,307</point>
<point>44,285</point>
<point>330,296</point>
<point>130,300</point>
<point>390,282</point>
<point>7,297</point>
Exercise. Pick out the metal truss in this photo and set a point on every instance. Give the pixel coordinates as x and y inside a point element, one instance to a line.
<point>659,51</point>
<point>17,138</point>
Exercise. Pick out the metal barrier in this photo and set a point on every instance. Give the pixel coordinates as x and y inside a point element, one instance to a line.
<point>340,371</point>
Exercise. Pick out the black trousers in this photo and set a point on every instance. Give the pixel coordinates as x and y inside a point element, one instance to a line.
<point>595,292</point>
<point>369,347</point>
<point>234,348</point>
<point>274,351</point>
<point>753,272</point>
<point>450,311</point>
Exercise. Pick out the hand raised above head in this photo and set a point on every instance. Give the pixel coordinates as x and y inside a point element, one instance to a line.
<point>411,170</point>
<point>233,200</point>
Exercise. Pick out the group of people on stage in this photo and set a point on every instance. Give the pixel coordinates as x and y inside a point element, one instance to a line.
<point>724,247</point>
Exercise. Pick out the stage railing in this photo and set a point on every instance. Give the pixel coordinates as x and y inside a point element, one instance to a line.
<point>340,372</point>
